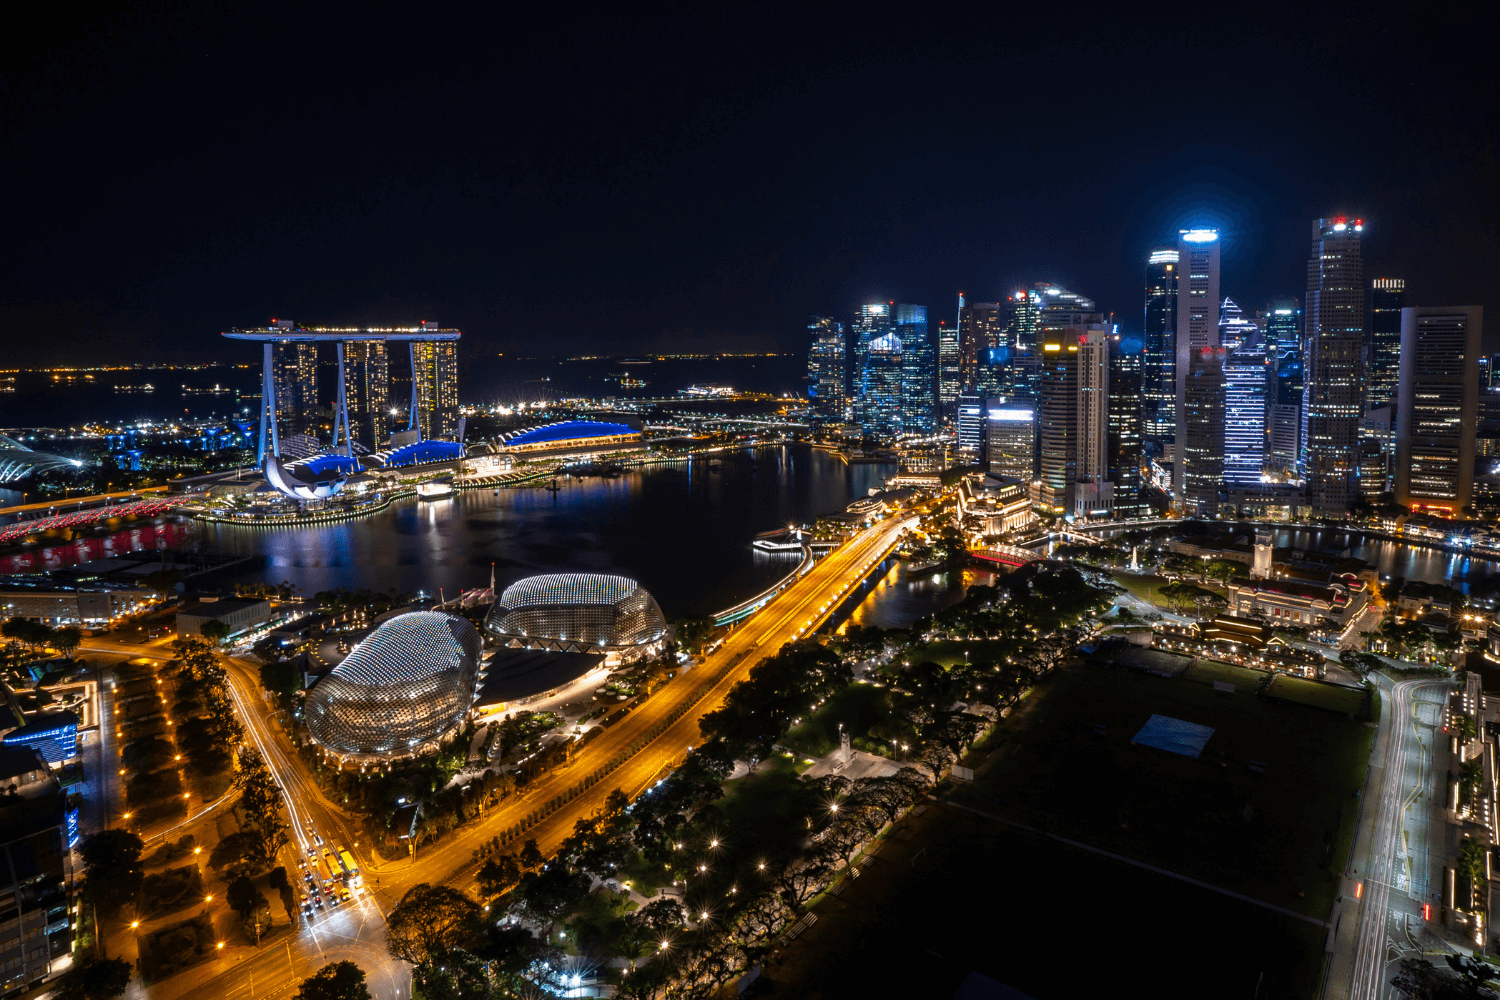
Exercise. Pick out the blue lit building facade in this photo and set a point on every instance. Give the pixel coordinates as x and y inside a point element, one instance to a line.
<point>918,371</point>
<point>878,403</point>
<point>1246,374</point>
<point>873,321</point>
<point>52,734</point>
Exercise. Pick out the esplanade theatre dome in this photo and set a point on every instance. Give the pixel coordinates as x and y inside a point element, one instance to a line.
<point>579,612</point>
<point>407,683</point>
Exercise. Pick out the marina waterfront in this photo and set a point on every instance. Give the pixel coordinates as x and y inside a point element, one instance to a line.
<point>682,529</point>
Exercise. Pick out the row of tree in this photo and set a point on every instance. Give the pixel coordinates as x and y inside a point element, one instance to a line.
<point>34,637</point>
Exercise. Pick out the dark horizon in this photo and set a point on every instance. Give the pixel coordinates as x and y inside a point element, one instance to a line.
<point>706,179</point>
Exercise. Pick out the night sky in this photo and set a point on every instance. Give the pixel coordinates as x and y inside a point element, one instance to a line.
<point>564,180</point>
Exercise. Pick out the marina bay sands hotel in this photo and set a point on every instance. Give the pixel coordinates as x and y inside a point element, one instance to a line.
<point>366,420</point>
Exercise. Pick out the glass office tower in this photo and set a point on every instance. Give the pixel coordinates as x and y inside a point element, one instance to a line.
<point>827,370</point>
<point>950,362</point>
<point>1126,376</point>
<point>878,405</point>
<point>1159,358</point>
<point>1387,297</point>
<point>1197,332</point>
<point>918,371</point>
<point>1246,373</point>
<point>1333,388</point>
<point>1437,407</point>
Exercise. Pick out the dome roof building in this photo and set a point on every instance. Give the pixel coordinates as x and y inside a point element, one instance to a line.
<point>577,612</point>
<point>408,683</point>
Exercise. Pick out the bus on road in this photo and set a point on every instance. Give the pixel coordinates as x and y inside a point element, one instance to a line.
<point>350,868</point>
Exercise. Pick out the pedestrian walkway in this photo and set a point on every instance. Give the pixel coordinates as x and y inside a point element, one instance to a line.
<point>860,765</point>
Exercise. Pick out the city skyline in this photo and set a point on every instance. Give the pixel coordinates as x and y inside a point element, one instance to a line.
<point>523,242</point>
<point>612,502</point>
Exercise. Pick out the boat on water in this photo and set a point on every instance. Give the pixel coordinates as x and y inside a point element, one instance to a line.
<point>434,491</point>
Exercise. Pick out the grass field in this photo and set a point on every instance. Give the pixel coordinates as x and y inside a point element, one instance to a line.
<point>859,706</point>
<point>756,809</point>
<point>953,892</point>
<point>1143,586</point>
<point>1207,671</point>
<point>948,652</point>
<point>1277,835</point>
<point>1325,696</point>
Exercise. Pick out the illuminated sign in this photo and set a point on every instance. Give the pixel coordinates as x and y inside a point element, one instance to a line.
<point>1011,414</point>
<point>1199,235</point>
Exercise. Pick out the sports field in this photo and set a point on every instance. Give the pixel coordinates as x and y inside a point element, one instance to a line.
<point>1267,810</point>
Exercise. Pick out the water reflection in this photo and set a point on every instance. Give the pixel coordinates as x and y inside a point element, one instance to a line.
<point>1392,558</point>
<point>683,530</point>
<point>899,597</point>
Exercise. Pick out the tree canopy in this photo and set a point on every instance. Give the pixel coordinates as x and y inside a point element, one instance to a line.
<point>112,859</point>
<point>96,979</point>
<point>430,921</point>
<point>335,981</point>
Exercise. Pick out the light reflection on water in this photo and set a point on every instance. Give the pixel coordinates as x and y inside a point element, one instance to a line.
<point>1393,558</point>
<point>682,530</point>
<point>899,597</point>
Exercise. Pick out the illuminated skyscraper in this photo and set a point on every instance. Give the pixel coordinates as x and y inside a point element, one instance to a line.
<point>1246,374</point>
<point>1126,366</point>
<point>1159,359</point>
<point>1201,445</point>
<point>1234,327</point>
<point>872,322</point>
<point>878,404</point>
<point>295,369</point>
<point>1281,331</point>
<point>1073,460</point>
<point>1197,331</point>
<point>367,391</point>
<point>1333,390</point>
<point>1388,296</point>
<point>1437,407</point>
<point>983,335</point>
<point>1281,328</point>
<point>1023,320</point>
<point>1012,441</point>
<point>435,377</point>
<point>971,420</point>
<point>827,370</point>
<point>918,371</point>
<point>1093,493</point>
<point>950,363</point>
